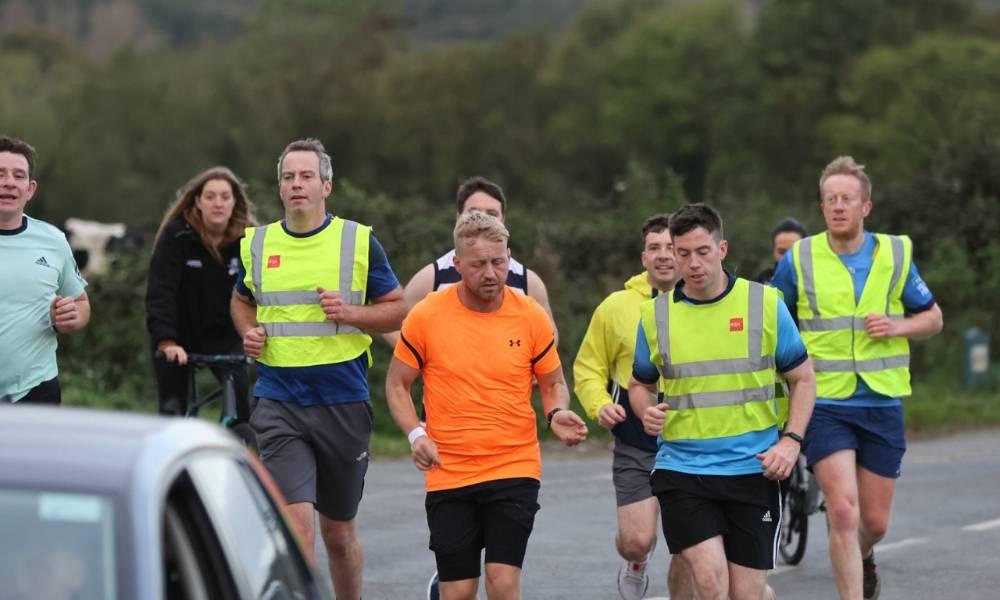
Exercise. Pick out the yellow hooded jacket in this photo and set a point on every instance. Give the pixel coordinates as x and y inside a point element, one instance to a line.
<point>603,364</point>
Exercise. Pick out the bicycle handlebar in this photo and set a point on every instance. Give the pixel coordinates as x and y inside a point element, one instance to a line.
<point>206,360</point>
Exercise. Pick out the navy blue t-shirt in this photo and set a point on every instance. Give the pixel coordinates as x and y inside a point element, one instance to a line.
<point>337,383</point>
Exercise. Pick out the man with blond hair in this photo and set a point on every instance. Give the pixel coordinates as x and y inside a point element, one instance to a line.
<point>859,299</point>
<point>476,193</point>
<point>477,345</point>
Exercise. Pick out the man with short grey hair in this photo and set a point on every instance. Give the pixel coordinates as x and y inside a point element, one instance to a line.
<point>312,285</point>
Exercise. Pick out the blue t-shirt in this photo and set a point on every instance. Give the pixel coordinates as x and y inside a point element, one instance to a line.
<point>734,455</point>
<point>37,266</point>
<point>916,298</point>
<point>337,383</point>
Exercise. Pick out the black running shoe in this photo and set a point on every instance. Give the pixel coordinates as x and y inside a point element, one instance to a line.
<point>872,583</point>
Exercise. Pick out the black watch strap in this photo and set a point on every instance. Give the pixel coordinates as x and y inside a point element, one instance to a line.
<point>793,435</point>
<point>552,413</point>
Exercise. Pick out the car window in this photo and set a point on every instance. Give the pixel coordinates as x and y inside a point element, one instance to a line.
<point>195,566</point>
<point>56,545</point>
<point>250,529</point>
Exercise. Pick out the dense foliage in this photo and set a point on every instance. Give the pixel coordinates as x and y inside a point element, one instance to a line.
<point>634,108</point>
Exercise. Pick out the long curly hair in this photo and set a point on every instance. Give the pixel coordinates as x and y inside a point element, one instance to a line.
<point>184,205</point>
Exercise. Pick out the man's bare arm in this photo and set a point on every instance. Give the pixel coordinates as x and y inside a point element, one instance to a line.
<point>244,312</point>
<point>382,314</point>
<point>920,326</point>
<point>398,382</point>
<point>421,284</point>
<point>70,314</point>
<point>802,385</point>
<point>565,424</point>
<point>538,291</point>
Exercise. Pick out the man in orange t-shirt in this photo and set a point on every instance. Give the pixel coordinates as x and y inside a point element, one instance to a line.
<point>477,345</point>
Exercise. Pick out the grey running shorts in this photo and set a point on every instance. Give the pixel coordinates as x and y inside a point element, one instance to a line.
<point>630,471</point>
<point>316,454</point>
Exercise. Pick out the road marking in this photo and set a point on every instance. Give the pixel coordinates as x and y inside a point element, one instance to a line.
<point>901,544</point>
<point>985,525</point>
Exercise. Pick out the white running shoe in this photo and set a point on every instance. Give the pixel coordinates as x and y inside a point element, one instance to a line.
<point>632,578</point>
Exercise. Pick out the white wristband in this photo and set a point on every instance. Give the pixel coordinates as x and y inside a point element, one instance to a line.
<point>418,432</point>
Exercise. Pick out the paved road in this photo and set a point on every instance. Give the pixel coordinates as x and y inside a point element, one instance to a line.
<point>944,541</point>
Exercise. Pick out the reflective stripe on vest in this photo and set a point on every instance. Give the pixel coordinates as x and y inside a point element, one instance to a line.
<point>862,366</point>
<point>299,297</point>
<point>728,366</point>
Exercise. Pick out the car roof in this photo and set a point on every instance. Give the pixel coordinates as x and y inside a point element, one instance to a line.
<point>93,450</point>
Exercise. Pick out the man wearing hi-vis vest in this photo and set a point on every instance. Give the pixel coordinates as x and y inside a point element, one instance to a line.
<point>859,299</point>
<point>311,286</point>
<point>601,373</point>
<point>714,345</point>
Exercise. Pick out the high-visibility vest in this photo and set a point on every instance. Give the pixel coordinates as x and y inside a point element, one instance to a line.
<point>283,272</point>
<point>717,361</point>
<point>833,323</point>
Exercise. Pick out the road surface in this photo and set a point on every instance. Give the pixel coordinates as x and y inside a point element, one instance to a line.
<point>944,540</point>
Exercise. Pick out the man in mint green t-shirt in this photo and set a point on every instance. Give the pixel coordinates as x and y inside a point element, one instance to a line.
<point>41,289</point>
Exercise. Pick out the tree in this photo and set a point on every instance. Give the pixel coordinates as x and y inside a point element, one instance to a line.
<point>925,119</point>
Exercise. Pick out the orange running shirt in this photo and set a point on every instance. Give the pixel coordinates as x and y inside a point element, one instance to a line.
<point>477,370</point>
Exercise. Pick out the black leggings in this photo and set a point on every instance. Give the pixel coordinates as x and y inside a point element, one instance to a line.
<point>173,381</point>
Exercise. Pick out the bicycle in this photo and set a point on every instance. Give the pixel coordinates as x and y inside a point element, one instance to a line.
<point>235,412</point>
<point>801,498</point>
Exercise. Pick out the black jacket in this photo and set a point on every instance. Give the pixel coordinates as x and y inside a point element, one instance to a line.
<point>188,291</point>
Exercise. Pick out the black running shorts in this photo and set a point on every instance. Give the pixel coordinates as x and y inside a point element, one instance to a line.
<point>744,509</point>
<point>496,515</point>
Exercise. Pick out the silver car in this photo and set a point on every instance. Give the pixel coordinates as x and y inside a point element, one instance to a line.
<point>103,505</point>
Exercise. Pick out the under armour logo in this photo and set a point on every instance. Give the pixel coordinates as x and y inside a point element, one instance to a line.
<point>512,343</point>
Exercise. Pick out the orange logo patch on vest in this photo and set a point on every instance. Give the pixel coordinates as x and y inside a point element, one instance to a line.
<point>274,261</point>
<point>735,324</point>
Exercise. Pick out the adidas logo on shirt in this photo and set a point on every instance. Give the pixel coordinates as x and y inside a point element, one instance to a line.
<point>41,261</point>
<point>767,517</point>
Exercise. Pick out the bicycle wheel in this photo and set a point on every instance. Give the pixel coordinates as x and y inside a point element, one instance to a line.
<point>794,528</point>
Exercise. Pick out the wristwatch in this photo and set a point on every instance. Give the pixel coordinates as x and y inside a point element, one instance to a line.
<point>552,413</point>
<point>793,435</point>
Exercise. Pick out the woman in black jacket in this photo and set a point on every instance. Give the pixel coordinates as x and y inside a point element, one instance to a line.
<point>191,277</point>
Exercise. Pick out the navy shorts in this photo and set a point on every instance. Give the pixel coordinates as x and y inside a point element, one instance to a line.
<point>875,435</point>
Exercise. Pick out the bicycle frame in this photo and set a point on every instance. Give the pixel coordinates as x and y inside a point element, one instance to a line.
<point>231,411</point>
